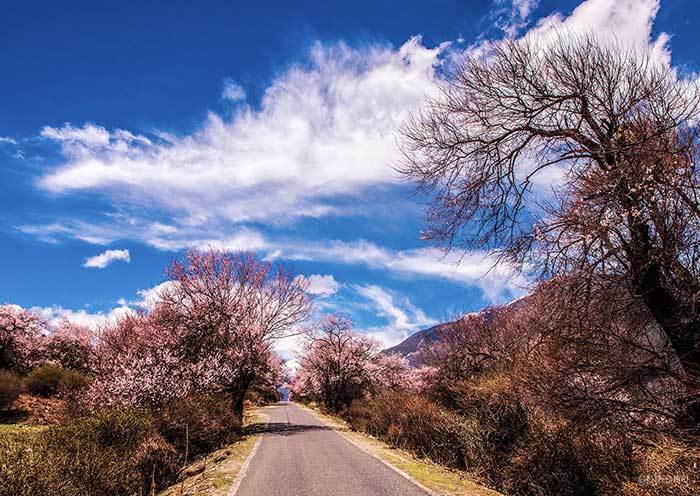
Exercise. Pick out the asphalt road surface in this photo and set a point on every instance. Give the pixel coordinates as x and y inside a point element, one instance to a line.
<point>302,456</point>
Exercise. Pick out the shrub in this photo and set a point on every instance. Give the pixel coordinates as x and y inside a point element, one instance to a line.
<point>199,424</point>
<point>24,468</point>
<point>491,403</point>
<point>49,380</point>
<point>114,453</point>
<point>10,388</point>
<point>420,426</point>
<point>565,462</point>
<point>490,434</point>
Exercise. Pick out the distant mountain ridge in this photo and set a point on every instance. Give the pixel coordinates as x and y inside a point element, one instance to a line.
<point>411,346</point>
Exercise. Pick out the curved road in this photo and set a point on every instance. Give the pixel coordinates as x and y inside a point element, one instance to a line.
<point>301,456</point>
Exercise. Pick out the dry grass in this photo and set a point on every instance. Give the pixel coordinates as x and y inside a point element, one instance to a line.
<point>215,474</point>
<point>669,468</point>
<point>436,478</point>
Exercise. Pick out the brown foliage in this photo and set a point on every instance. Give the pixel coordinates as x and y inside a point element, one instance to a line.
<point>624,219</point>
<point>666,468</point>
<point>10,388</point>
<point>199,424</point>
<point>115,453</point>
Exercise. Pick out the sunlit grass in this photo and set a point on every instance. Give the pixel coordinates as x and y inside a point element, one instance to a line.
<point>219,469</point>
<point>21,428</point>
<point>436,478</point>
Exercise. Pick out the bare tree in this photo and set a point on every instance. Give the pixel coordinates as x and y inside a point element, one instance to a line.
<point>616,128</point>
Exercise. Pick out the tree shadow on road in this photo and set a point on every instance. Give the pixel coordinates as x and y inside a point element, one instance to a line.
<point>282,429</point>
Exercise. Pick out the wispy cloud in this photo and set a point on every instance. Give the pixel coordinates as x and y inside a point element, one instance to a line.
<point>512,16</point>
<point>107,257</point>
<point>322,130</point>
<point>8,140</point>
<point>474,268</point>
<point>403,318</point>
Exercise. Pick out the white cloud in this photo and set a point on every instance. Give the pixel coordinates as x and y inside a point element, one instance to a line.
<point>6,139</point>
<point>55,314</point>
<point>89,135</point>
<point>232,91</point>
<point>472,268</point>
<point>181,234</point>
<point>403,317</point>
<point>321,130</point>
<point>151,296</point>
<point>525,7</point>
<point>626,19</point>
<point>288,347</point>
<point>512,20</point>
<point>322,285</point>
<point>107,257</point>
<point>625,22</point>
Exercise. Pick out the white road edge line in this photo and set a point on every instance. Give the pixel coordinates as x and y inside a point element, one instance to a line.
<point>384,462</point>
<point>244,468</point>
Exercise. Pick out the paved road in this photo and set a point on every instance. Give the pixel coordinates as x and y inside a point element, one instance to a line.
<point>301,456</point>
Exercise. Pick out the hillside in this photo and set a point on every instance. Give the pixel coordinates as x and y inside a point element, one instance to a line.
<point>411,346</point>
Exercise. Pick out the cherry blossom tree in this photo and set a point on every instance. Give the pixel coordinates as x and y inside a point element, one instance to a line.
<point>19,330</point>
<point>389,371</point>
<point>69,345</point>
<point>339,365</point>
<point>211,329</point>
<point>233,307</point>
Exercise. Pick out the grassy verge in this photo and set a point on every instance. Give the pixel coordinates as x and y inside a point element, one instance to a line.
<point>21,428</point>
<point>436,478</point>
<point>16,431</point>
<point>214,474</point>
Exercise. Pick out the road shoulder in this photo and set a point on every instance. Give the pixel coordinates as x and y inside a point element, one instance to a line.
<point>217,473</point>
<point>434,479</point>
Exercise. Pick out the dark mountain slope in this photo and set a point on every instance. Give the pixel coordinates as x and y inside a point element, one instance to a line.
<point>411,346</point>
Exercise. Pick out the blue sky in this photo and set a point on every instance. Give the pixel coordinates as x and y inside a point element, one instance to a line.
<point>132,131</point>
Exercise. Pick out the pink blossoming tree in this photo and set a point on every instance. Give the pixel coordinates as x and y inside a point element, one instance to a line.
<point>339,365</point>
<point>211,329</point>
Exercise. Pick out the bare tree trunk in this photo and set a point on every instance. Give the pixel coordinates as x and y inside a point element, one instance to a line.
<point>238,398</point>
<point>238,406</point>
<point>681,332</point>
